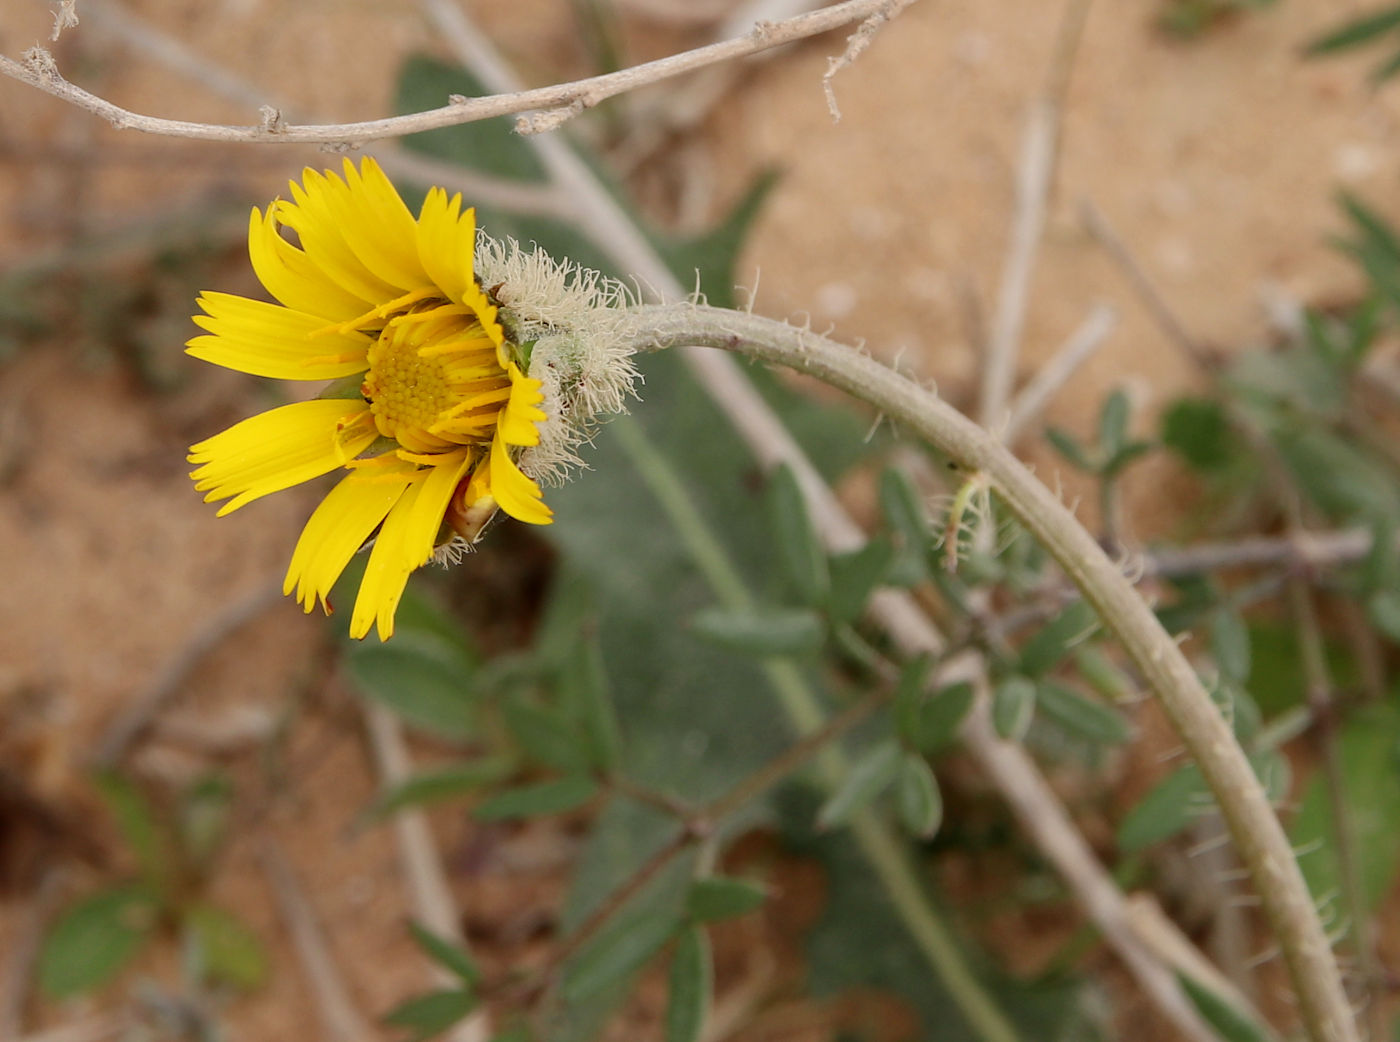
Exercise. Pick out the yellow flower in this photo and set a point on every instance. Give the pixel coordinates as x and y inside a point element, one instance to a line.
<point>430,397</point>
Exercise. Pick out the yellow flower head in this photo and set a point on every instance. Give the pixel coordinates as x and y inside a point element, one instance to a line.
<point>431,401</point>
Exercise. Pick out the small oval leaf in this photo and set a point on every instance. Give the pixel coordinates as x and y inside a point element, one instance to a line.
<point>617,953</point>
<point>721,897</point>
<point>765,632</point>
<point>94,939</point>
<point>535,801</point>
<point>871,775</point>
<point>1081,716</point>
<point>919,799</point>
<point>1013,707</point>
<point>692,978</point>
<point>800,552</point>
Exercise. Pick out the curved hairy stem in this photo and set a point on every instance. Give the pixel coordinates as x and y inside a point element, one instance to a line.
<point>1259,838</point>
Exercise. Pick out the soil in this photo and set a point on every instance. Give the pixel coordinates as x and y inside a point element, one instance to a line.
<point>1216,159</point>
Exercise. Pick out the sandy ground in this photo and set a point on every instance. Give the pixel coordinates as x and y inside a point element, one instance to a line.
<point>1216,159</point>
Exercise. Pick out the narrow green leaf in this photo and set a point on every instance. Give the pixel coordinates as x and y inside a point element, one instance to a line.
<point>1229,643</point>
<point>443,783</point>
<point>909,695</point>
<point>535,801</point>
<point>908,521</point>
<point>1068,446</point>
<point>939,717</point>
<point>94,939</point>
<point>229,952</point>
<point>855,576</point>
<point>1013,707</point>
<point>545,737</point>
<point>692,978</point>
<point>917,794</point>
<point>1355,32</point>
<point>431,1014</point>
<point>1055,640</point>
<point>766,632</point>
<point>1081,716</point>
<point>1113,424</point>
<point>1230,1022</point>
<point>800,552</point>
<point>445,953</point>
<point>872,775</point>
<point>203,821</point>
<point>584,684</point>
<point>616,954</point>
<point>136,821</point>
<point>1169,806</point>
<point>1116,463</point>
<point>722,897</point>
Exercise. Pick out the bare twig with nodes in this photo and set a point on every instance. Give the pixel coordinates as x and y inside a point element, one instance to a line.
<point>553,105</point>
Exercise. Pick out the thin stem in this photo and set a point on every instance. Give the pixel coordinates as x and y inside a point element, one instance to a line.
<point>1260,839</point>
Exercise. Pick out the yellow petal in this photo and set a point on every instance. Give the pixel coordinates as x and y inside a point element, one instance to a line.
<point>377,225</point>
<point>253,336</point>
<point>517,422</point>
<point>280,448</point>
<point>405,544</point>
<point>339,527</point>
<point>517,495</point>
<point>446,239</point>
<point>315,215</point>
<point>294,278</point>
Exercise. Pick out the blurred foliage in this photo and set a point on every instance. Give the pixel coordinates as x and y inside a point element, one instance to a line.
<point>1371,28</point>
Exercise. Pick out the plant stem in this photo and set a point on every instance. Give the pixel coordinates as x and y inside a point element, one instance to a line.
<point>876,842</point>
<point>1258,836</point>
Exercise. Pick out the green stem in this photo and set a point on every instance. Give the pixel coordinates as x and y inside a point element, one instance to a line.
<point>875,840</point>
<point>1259,838</point>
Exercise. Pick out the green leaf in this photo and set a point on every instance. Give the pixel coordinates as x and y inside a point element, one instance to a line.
<point>137,822</point>
<point>546,737</point>
<point>431,1014</point>
<point>1115,464</point>
<point>720,897</point>
<point>1197,430</point>
<point>903,508</point>
<point>539,800</point>
<point>1356,32</point>
<point>872,774</point>
<point>855,576</point>
<point>1068,446</point>
<point>229,951</point>
<point>692,978</point>
<point>446,954</point>
<point>1057,638</point>
<point>1113,424</point>
<point>909,695</point>
<point>1169,806</point>
<point>764,632</point>
<point>584,685</point>
<point>420,681</point>
<point>443,783</point>
<point>799,550</point>
<point>1368,744</point>
<point>616,954</point>
<point>1340,477</point>
<point>1081,716</point>
<point>204,816</point>
<point>935,720</point>
<point>917,795</point>
<point>1229,643</point>
<point>94,939</point>
<point>1383,609</point>
<point>1013,707</point>
<point>1230,1022</point>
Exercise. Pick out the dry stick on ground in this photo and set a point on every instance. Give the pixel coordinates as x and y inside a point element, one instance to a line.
<point>340,1020</point>
<point>433,904</point>
<point>1035,173</point>
<point>554,104</point>
<point>772,444</point>
<point>1030,403</point>
<point>1258,836</point>
<point>138,714</point>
